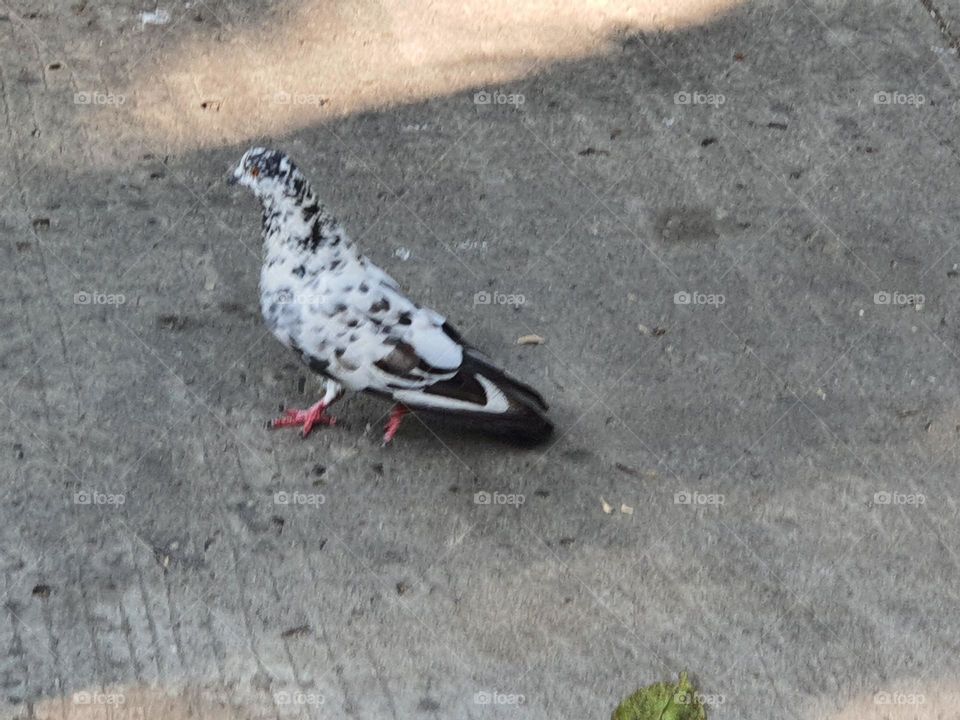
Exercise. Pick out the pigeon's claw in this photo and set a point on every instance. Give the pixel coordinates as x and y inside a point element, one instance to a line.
<point>393,424</point>
<point>314,415</point>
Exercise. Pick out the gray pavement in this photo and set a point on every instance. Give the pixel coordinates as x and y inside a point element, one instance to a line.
<point>786,439</point>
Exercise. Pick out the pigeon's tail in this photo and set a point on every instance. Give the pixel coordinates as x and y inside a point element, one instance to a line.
<point>483,398</point>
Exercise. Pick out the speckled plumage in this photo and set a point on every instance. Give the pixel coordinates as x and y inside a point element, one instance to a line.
<point>349,321</point>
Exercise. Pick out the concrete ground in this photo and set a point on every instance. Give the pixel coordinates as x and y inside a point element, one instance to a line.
<point>736,234</point>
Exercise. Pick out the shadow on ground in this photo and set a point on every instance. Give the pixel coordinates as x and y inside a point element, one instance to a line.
<point>737,354</point>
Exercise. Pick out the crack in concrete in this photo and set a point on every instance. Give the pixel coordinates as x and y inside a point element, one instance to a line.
<point>942,25</point>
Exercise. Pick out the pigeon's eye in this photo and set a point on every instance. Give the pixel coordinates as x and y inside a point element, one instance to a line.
<point>254,171</point>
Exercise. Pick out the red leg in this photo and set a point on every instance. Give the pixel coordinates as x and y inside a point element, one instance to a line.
<point>393,424</point>
<point>315,414</point>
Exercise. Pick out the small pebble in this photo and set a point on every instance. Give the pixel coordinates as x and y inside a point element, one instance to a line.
<point>530,340</point>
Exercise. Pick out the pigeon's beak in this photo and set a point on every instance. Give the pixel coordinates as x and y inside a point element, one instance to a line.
<point>234,177</point>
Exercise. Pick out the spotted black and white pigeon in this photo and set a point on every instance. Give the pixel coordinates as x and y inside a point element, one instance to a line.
<point>350,322</point>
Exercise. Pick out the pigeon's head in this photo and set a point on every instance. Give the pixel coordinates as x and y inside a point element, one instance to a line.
<point>270,174</point>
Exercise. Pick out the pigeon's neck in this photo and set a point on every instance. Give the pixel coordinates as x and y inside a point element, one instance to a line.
<point>296,221</point>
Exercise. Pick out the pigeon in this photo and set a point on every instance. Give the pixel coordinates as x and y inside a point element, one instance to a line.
<point>351,323</point>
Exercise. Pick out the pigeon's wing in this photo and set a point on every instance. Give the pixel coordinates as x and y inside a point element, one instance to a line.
<point>413,355</point>
<point>413,347</point>
<point>481,396</point>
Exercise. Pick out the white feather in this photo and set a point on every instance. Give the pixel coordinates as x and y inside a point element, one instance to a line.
<point>496,401</point>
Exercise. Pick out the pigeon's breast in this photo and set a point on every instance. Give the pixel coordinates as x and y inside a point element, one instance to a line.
<point>303,306</point>
<point>282,298</point>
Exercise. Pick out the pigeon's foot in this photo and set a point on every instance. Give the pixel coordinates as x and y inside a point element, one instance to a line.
<point>314,415</point>
<point>393,424</point>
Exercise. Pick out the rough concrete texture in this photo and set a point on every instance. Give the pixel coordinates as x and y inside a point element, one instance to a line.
<point>789,455</point>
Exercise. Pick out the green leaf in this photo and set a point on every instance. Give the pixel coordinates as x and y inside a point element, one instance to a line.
<point>663,701</point>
